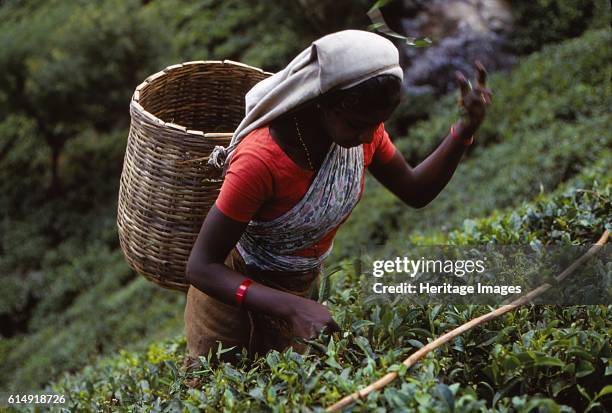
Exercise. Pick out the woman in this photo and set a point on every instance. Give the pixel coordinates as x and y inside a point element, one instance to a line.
<point>294,172</point>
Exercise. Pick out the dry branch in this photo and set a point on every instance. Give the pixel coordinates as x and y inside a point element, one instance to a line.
<point>412,360</point>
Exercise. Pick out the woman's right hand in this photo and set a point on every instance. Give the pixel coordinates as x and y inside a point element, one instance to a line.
<point>308,318</point>
<point>473,101</point>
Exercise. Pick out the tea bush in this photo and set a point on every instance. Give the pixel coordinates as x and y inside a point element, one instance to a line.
<point>559,20</point>
<point>60,255</point>
<point>67,72</point>
<point>536,357</point>
<point>92,305</point>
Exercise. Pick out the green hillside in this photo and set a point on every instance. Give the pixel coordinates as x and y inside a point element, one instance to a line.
<point>543,357</point>
<point>77,320</point>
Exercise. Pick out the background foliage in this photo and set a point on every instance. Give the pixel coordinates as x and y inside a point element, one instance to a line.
<point>540,172</point>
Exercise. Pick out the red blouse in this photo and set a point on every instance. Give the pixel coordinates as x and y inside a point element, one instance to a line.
<point>262,182</point>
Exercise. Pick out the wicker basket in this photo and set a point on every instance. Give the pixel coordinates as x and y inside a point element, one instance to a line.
<point>178,116</point>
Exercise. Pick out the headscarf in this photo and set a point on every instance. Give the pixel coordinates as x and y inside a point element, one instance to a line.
<point>339,60</point>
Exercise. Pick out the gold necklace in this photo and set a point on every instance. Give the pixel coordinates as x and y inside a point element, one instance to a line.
<point>297,128</point>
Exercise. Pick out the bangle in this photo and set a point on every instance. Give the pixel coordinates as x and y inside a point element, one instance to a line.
<point>241,291</point>
<point>466,142</point>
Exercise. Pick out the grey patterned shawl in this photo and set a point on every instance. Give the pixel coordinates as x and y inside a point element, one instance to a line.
<point>329,200</point>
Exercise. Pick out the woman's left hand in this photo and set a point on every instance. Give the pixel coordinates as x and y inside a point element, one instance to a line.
<point>473,101</point>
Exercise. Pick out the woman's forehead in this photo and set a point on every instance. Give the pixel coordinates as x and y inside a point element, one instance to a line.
<point>369,116</point>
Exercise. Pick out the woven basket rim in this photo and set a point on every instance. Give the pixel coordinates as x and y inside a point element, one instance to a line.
<point>136,95</point>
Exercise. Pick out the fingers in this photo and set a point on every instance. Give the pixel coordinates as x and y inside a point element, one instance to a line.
<point>480,93</point>
<point>481,75</point>
<point>485,96</point>
<point>463,83</point>
<point>311,331</point>
<point>332,327</point>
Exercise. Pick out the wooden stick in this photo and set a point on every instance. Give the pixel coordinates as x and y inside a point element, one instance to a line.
<point>412,360</point>
<point>218,135</point>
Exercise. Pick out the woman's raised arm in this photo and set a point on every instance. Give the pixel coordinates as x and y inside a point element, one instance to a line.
<point>418,186</point>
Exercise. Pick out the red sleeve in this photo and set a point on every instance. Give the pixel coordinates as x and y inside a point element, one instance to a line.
<point>247,185</point>
<point>384,149</point>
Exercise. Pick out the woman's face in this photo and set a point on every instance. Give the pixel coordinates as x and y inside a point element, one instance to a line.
<point>349,128</point>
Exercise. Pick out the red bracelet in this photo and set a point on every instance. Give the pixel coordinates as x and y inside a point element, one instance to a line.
<point>467,142</point>
<point>241,291</point>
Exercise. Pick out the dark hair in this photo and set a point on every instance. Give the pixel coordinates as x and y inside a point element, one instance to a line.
<point>379,92</point>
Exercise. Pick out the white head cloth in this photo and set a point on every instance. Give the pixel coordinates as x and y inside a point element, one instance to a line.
<point>338,60</point>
